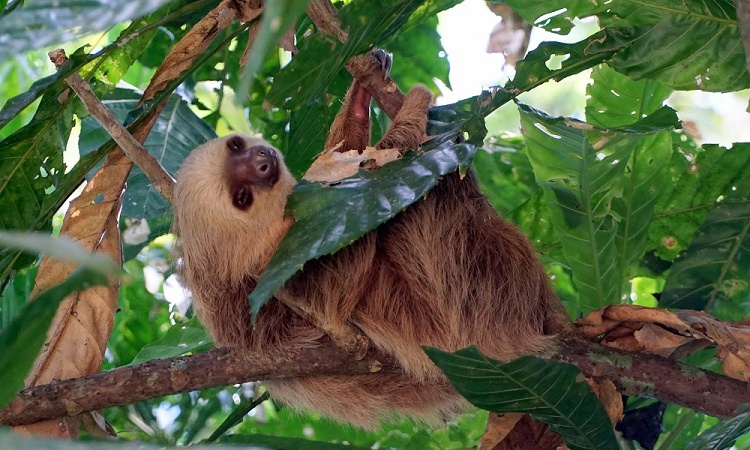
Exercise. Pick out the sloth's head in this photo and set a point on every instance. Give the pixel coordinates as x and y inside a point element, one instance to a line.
<point>229,205</point>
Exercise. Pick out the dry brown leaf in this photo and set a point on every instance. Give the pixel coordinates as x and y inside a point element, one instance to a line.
<point>529,435</point>
<point>498,427</point>
<point>510,36</point>
<point>80,330</point>
<point>333,165</point>
<point>657,340</point>
<point>191,46</point>
<point>671,334</point>
<point>607,393</point>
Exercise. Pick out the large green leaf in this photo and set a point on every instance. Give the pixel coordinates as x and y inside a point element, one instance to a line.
<point>616,100</point>
<point>716,265</point>
<point>686,45</point>
<point>332,217</point>
<point>551,392</point>
<point>33,179</point>
<point>723,435</point>
<point>284,443</point>
<point>320,56</point>
<point>421,57</point>
<point>41,23</point>
<point>308,130</point>
<point>696,182</point>
<point>21,341</point>
<point>582,171</point>
<point>176,133</point>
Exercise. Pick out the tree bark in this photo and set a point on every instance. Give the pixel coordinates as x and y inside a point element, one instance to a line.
<point>635,374</point>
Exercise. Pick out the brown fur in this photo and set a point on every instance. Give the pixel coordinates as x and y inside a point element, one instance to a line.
<point>447,272</point>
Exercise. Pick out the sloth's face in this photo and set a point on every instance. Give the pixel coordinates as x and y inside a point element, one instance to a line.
<point>250,166</point>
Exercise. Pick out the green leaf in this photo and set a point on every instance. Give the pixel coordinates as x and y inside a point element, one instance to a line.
<point>361,203</point>
<point>320,57</point>
<point>308,130</point>
<point>15,295</point>
<point>551,392</point>
<point>41,23</point>
<point>581,169</point>
<point>715,266</point>
<point>685,45</point>
<point>615,100</point>
<point>421,57</point>
<point>21,341</point>
<point>696,182</point>
<point>723,435</point>
<point>278,16</point>
<point>176,133</point>
<point>181,338</point>
<point>62,248</point>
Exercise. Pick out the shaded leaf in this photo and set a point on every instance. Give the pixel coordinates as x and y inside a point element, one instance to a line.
<point>723,435</point>
<point>696,182</point>
<point>40,23</point>
<point>176,133</point>
<point>361,202</point>
<point>21,341</point>
<point>550,392</point>
<point>284,443</point>
<point>716,265</point>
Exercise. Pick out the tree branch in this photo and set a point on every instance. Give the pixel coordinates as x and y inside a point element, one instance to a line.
<point>635,374</point>
<point>647,375</point>
<point>156,378</point>
<point>159,177</point>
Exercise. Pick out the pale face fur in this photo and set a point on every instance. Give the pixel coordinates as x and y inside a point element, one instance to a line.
<point>214,233</point>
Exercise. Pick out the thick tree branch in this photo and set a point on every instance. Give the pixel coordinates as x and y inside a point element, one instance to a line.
<point>647,375</point>
<point>635,374</point>
<point>157,378</point>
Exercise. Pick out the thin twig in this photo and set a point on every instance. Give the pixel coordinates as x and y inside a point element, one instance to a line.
<point>159,177</point>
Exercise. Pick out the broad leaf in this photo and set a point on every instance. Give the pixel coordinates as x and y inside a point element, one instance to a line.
<point>41,23</point>
<point>176,133</point>
<point>723,435</point>
<point>582,171</point>
<point>615,100</point>
<point>551,392</point>
<point>696,182</point>
<point>21,341</point>
<point>284,443</point>
<point>421,57</point>
<point>330,218</point>
<point>685,45</point>
<point>716,265</point>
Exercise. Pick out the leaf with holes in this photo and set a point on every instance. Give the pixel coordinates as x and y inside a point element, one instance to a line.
<point>582,171</point>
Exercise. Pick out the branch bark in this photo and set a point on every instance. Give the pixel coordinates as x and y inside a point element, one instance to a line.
<point>635,374</point>
<point>159,177</point>
<point>157,378</point>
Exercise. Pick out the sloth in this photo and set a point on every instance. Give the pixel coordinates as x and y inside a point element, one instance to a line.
<point>447,272</point>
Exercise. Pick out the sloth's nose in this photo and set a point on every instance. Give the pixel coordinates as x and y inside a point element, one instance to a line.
<point>265,164</point>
